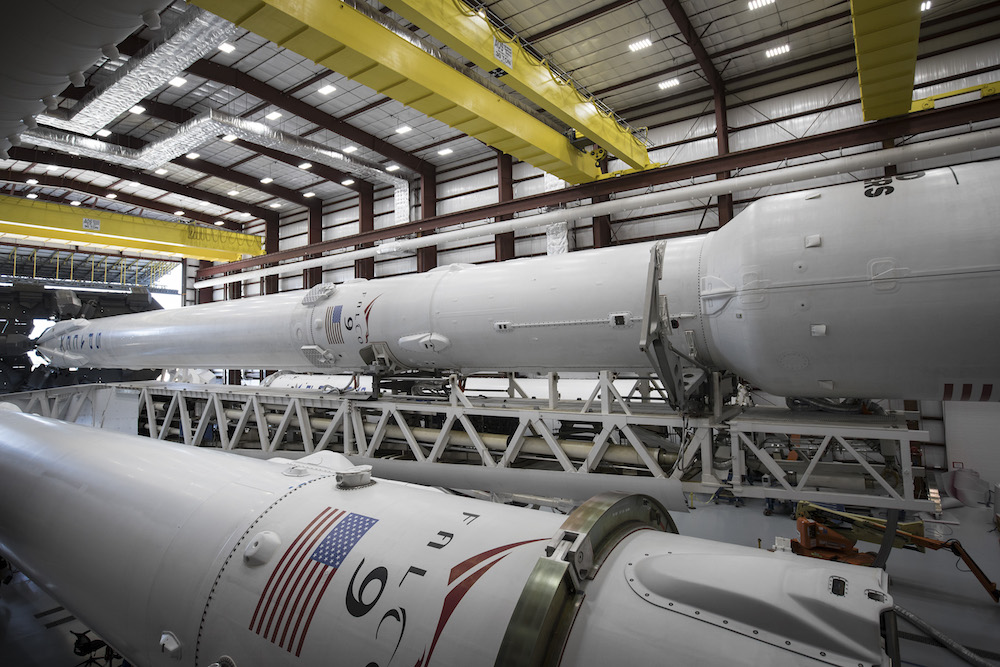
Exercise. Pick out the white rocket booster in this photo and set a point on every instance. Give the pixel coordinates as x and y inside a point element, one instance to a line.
<point>183,556</point>
<point>885,288</point>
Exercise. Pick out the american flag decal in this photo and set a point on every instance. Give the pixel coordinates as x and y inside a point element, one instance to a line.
<point>333,332</point>
<point>289,600</point>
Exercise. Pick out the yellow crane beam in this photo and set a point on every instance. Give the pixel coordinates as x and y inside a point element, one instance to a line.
<point>343,39</point>
<point>886,33</point>
<point>457,25</point>
<point>44,221</point>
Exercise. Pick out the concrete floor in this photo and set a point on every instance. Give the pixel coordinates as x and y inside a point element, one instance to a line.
<point>35,630</point>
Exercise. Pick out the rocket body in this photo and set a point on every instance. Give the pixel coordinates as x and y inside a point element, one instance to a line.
<point>885,288</point>
<point>181,556</point>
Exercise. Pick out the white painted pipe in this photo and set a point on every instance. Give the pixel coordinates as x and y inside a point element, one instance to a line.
<point>879,158</point>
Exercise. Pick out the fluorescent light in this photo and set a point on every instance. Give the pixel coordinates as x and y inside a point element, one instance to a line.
<point>350,149</point>
<point>306,165</point>
<point>266,180</point>
<point>32,195</point>
<point>74,203</point>
<point>757,4</point>
<point>445,151</point>
<point>50,168</point>
<point>245,214</point>
<point>640,44</point>
<point>178,212</point>
<point>669,84</point>
<point>103,133</point>
<point>274,115</point>
<point>226,47</point>
<point>135,184</point>
<point>137,109</point>
<point>233,193</point>
<point>777,51</point>
<point>112,195</point>
<point>309,194</point>
<point>925,5</point>
<point>347,181</point>
<point>193,156</point>
<point>220,222</point>
<point>229,137</point>
<point>177,81</point>
<point>403,129</point>
<point>32,181</point>
<point>275,205</point>
<point>392,167</point>
<point>161,171</point>
<point>326,90</point>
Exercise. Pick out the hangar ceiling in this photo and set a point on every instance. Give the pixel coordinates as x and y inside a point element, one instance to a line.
<point>695,48</point>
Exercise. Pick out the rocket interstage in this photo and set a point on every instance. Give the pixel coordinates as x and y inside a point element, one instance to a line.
<point>885,288</point>
<point>178,555</point>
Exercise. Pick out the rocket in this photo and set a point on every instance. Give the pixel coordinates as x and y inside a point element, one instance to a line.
<point>883,288</point>
<point>178,555</point>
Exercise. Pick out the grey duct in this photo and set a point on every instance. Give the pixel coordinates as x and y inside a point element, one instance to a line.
<point>208,127</point>
<point>879,158</point>
<point>197,34</point>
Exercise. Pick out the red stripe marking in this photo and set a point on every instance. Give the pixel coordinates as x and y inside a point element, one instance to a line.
<point>452,599</point>
<point>948,390</point>
<point>312,611</point>
<point>278,567</point>
<point>469,563</point>
<point>987,392</point>
<point>302,611</point>
<point>314,538</point>
<point>966,392</point>
<point>316,565</point>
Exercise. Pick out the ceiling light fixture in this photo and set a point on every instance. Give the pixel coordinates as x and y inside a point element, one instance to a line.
<point>669,84</point>
<point>275,205</point>
<point>220,222</point>
<point>777,51</point>
<point>161,171</point>
<point>306,165</point>
<point>226,47</point>
<point>74,203</point>
<point>266,180</point>
<point>925,5</point>
<point>392,167</point>
<point>32,195</point>
<point>229,137</point>
<point>757,4</point>
<point>112,195</point>
<point>177,81</point>
<point>403,129</point>
<point>350,149</point>
<point>138,109</point>
<point>178,212</point>
<point>326,90</point>
<point>103,133</point>
<point>445,151</point>
<point>309,194</point>
<point>50,168</point>
<point>274,115</point>
<point>233,193</point>
<point>245,214</point>
<point>32,181</point>
<point>347,181</point>
<point>193,156</point>
<point>639,45</point>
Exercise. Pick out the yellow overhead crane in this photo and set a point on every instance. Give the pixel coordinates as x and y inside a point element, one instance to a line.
<point>472,35</point>
<point>886,33</point>
<point>24,218</point>
<point>345,40</point>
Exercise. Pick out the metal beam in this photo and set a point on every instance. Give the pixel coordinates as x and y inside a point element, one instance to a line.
<point>119,171</point>
<point>239,178</point>
<point>916,123</point>
<point>690,36</point>
<point>346,40</point>
<point>327,172</point>
<point>886,35</point>
<point>474,37</point>
<point>574,22</point>
<point>233,77</point>
<point>68,224</point>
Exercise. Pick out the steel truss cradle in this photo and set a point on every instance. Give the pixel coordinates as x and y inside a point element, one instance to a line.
<point>449,431</point>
